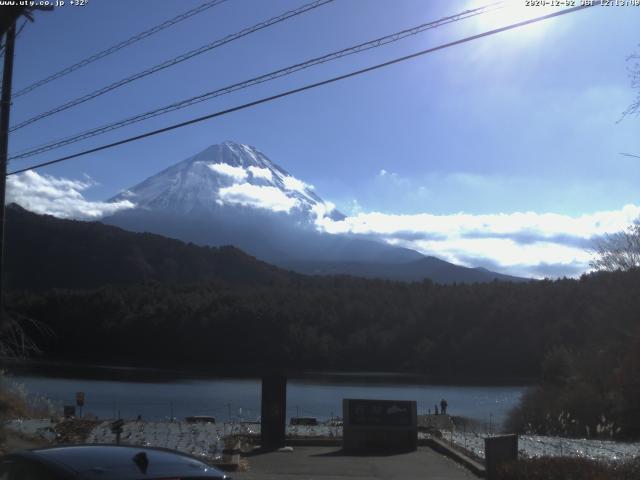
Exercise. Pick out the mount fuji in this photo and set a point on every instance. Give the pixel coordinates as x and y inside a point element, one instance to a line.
<point>232,194</point>
<point>226,175</point>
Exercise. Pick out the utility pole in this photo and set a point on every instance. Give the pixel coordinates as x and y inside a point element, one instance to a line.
<point>5,109</point>
<point>5,106</point>
<point>10,14</point>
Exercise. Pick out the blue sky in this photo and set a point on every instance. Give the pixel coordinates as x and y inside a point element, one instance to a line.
<point>524,121</point>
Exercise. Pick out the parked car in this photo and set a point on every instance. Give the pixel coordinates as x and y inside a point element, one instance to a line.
<point>200,419</point>
<point>307,421</point>
<point>106,462</point>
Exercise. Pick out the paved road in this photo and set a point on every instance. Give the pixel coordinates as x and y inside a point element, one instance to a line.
<point>328,463</point>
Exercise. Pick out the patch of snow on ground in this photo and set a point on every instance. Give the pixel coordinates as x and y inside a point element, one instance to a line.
<point>542,446</point>
<point>199,439</point>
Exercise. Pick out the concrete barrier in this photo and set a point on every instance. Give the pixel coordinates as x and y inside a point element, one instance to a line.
<point>379,425</point>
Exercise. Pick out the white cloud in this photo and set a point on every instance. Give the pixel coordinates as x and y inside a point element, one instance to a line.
<point>267,197</point>
<point>390,175</point>
<point>292,183</point>
<point>237,173</point>
<point>511,241</point>
<point>60,197</point>
<point>127,193</point>
<point>258,172</point>
<point>321,210</point>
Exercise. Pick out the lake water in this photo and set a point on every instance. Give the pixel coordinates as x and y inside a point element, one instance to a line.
<point>239,399</point>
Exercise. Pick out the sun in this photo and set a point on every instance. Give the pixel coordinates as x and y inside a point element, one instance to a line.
<point>501,14</point>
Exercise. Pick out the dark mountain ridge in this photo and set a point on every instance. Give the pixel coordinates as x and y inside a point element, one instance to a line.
<point>43,251</point>
<point>429,267</point>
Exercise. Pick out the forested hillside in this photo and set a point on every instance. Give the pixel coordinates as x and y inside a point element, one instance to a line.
<point>44,252</point>
<point>493,330</point>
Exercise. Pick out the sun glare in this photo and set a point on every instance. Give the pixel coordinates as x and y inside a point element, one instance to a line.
<point>501,14</point>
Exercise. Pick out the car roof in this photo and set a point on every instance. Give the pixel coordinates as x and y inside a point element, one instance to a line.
<point>93,461</point>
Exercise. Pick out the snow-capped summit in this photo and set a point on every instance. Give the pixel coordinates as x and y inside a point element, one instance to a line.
<point>228,174</point>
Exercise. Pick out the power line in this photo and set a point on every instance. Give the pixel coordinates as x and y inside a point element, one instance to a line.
<point>306,87</point>
<point>24,23</point>
<point>119,46</point>
<point>251,82</point>
<point>174,61</point>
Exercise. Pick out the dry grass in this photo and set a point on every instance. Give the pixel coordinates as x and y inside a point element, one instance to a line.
<point>16,403</point>
<point>12,405</point>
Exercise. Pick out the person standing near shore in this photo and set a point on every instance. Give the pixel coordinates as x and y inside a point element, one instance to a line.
<point>443,406</point>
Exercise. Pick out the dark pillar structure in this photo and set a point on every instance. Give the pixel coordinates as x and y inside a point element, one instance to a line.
<point>274,411</point>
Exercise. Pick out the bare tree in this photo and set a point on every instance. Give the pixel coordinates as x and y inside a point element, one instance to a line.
<point>619,251</point>
<point>15,341</point>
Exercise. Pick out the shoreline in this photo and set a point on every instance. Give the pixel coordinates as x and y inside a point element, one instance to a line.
<point>127,372</point>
